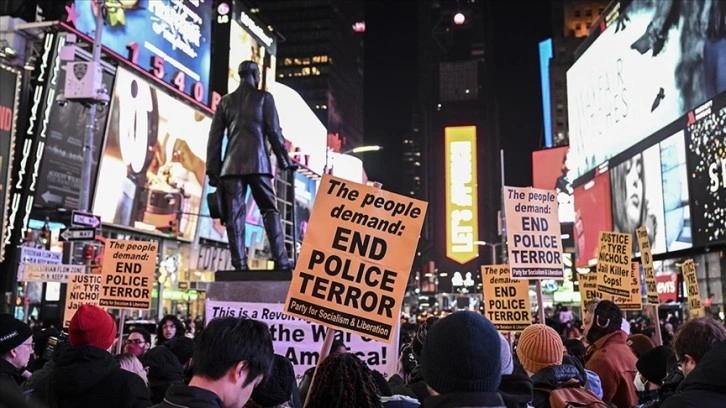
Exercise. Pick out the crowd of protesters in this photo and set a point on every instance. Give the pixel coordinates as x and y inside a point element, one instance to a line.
<point>459,360</point>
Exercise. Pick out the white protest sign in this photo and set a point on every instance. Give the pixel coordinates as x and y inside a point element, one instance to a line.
<point>300,341</point>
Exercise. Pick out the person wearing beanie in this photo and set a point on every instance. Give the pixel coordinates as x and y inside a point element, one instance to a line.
<point>461,362</point>
<point>610,357</point>
<point>163,370</point>
<point>652,368</point>
<point>540,351</point>
<point>415,386</point>
<point>277,390</point>
<point>86,374</point>
<point>515,386</point>
<point>16,347</point>
<point>640,344</point>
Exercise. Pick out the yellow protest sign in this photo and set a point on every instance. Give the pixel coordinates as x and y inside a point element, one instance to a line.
<point>356,257</point>
<point>588,289</point>
<point>533,233</point>
<point>127,278</point>
<point>82,289</point>
<point>635,300</point>
<point>613,264</point>
<point>506,300</point>
<point>694,294</point>
<point>646,256</point>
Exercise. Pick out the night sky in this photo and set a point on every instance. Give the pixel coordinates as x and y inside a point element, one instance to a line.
<point>391,74</point>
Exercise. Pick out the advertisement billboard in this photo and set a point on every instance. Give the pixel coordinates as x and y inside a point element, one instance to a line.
<point>551,170</point>
<point>9,99</point>
<point>707,170</point>
<point>170,38</point>
<point>245,46</point>
<point>213,230</point>
<point>660,60</point>
<point>592,215</point>
<point>59,177</point>
<point>152,165</point>
<point>462,210</point>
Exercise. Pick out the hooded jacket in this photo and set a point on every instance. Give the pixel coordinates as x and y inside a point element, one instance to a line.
<point>516,388</point>
<point>164,370</point>
<point>87,376</point>
<point>705,386</point>
<point>613,361</point>
<point>184,396</point>
<point>550,378</point>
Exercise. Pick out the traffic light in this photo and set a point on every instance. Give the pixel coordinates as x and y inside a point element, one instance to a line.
<point>45,235</point>
<point>89,253</point>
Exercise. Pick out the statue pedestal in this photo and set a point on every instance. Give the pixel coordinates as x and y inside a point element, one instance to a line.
<point>262,286</point>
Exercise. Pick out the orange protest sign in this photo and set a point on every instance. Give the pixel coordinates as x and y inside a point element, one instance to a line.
<point>82,289</point>
<point>646,255</point>
<point>613,264</point>
<point>533,233</point>
<point>695,306</point>
<point>127,278</point>
<point>635,300</point>
<point>506,300</point>
<point>355,259</point>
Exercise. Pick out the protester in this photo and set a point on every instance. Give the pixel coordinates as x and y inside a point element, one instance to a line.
<point>183,349</point>
<point>540,352</point>
<point>169,328</point>
<point>515,386</point>
<point>279,390</point>
<point>652,368</point>
<point>130,363</point>
<point>342,381</point>
<point>86,374</point>
<point>138,342</point>
<point>337,347</point>
<point>576,350</point>
<point>16,347</point>
<point>639,344</point>
<point>164,370</point>
<point>40,341</point>
<point>415,385</point>
<point>461,362</point>
<point>231,357</point>
<point>610,357</point>
<point>700,347</point>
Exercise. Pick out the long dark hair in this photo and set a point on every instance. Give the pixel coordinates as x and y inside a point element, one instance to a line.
<point>160,329</point>
<point>343,381</point>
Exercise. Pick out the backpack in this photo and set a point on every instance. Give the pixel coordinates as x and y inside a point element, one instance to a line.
<point>571,394</point>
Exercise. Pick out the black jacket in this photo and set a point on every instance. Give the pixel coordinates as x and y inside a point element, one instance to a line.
<point>465,400</point>
<point>516,388</point>
<point>163,370</point>
<point>549,379</point>
<point>10,377</point>
<point>87,376</point>
<point>250,118</point>
<point>705,386</point>
<point>184,396</point>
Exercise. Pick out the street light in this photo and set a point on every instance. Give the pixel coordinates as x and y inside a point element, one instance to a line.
<point>494,249</point>
<point>363,149</point>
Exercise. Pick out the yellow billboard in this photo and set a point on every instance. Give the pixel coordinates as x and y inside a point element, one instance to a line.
<point>462,221</point>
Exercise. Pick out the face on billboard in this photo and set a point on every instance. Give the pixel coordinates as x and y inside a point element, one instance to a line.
<point>152,166</point>
<point>592,215</point>
<point>245,47</point>
<point>644,71</point>
<point>551,169</point>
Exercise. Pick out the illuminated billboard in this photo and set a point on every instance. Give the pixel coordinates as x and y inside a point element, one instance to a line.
<point>462,224</point>
<point>245,46</point>
<point>9,101</point>
<point>653,63</point>
<point>592,215</point>
<point>552,170</point>
<point>153,163</point>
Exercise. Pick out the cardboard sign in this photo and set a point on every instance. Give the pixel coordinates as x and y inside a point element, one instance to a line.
<point>694,295</point>
<point>635,300</point>
<point>646,256</point>
<point>613,264</point>
<point>533,233</point>
<point>83,289</point>
<point>356,257</point>
<point>588,290</point>
<point>128,274</point>
<point>48,272</point>
<point>300,341</point>
<point>506,300</point>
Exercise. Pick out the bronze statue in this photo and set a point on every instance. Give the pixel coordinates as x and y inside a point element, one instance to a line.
<point>249,117</point>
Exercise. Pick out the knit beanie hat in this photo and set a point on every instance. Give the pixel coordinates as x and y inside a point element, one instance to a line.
<point>13,332</point>
<point>92,326</point>
<point>421,332</point>
<point>640,344</point>
<point>608,317</point>
<point>539,347</point>
<point>653,364</point>
<point>506,356</point>
<point>277,388</point>
<point>462,353</point>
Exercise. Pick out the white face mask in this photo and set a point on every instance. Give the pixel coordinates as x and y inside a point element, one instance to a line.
<point>638,382</point>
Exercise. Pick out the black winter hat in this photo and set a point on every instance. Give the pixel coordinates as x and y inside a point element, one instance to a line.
<point>653,364</point>
<point>608,317</point>
<point>163,367</point>
<point>277,388</point>
<point>13,332</point>
<point>462,354</point>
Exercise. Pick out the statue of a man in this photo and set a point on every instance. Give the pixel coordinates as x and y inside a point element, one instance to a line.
<point>249,117</point>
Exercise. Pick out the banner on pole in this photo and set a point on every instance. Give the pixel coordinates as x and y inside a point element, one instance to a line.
<point>613,264</point>
<point>506,300</point>
<point>646,256</point>
<point>128,274</point>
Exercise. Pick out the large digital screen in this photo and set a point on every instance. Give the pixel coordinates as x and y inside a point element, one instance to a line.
<point>9,99</point>
<point>152,166</point>
<point>244,46</point>
<point>707,168</point>
<point>212,229</point>
<point>305,191</point>
<point>551,170</point>
<point>645,70</point>
<point>60,174</point>
<point>170,37</point>
<point>592,215</point>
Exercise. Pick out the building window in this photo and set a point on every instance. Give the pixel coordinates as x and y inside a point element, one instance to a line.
<point>578,26</point>
<point>588,13</point>
<point>588,25</point>
<point>599,12</point>
<point>577,13</point>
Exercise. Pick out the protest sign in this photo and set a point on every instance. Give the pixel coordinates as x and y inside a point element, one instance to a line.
<point>533,233</point>
<point>588,289</point>
<point>613,264</point>
<point>646,256</point>
<point>83,289</point>
<point>506,300</point>
<point>128,274</point>
<point>300,341</point>
<point>356,258</point>
<point>635,300</point>
<point>694,294</point>
<point>48,272</point>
